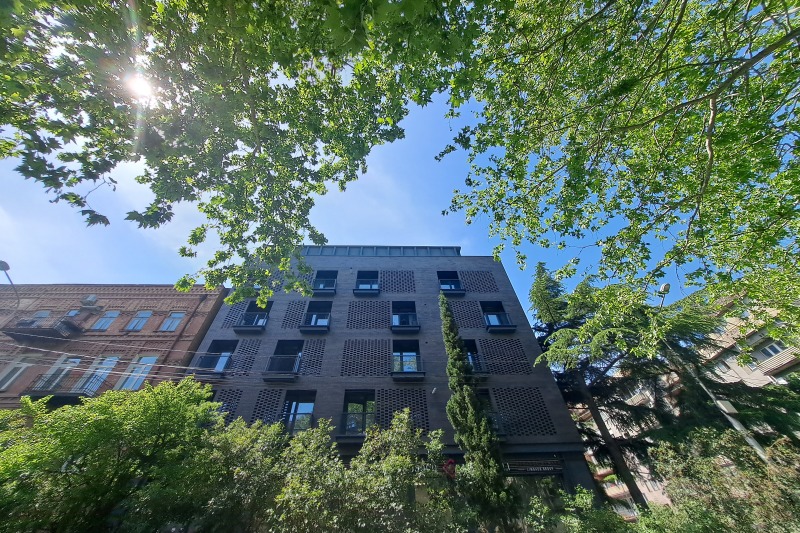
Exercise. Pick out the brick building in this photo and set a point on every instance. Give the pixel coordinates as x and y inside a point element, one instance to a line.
<point>70,341</point>
<point>369,342</point>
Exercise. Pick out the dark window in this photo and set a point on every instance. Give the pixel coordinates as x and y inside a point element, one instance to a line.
<point>494,314</point>
<point>73,312</point>
<point>359,412</point>
<point>218,356</point>
<point>367,280</point>
<point>298,410</point>
<point>448,280</point>
<point>471,349</point>
<point>405,356</point>
<point>287,357</point>
<point>404,314</point>
<point>319,314</point>
<point>325,279</point>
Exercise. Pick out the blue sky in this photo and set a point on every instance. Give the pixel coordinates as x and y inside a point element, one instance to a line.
<point>397,202</point>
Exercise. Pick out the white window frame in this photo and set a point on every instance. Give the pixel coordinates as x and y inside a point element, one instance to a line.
<point>138,322</point>
<point>99,372</point>
<point>137,373</point>
<point>171,322</point>
<point>16,367</point>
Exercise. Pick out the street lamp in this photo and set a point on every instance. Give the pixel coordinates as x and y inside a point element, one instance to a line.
<point>724,406</point>
<point>5,268</point>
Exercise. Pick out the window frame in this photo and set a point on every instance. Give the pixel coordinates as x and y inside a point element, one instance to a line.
<point>172,322</point>
<point>105,321</point>
<point>138,322</point>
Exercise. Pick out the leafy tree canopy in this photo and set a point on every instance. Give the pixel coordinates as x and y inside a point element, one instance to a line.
<point>661,133</point>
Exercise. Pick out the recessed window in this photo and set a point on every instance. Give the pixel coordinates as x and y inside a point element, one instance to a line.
<point>138,322</point>
<point>367,280</point>
<point>722,366</point>
<point>35,321</point>
<point>404,314</point>
<point>138,372</point>
<point>73,313</point>
<point>286,358</point>
<point>298,410</point>
<point>325,281</point>
<point>218,356</point>
<point>105,321</point>
<point>172,322</point>
<point>772,349</point>
<point>448,280</point>
<point>319,314</point>
<point>473,358</point>
<point>359,412</point>
<point>12,372</point>
<point>405,356</point>
<point>496,318</point>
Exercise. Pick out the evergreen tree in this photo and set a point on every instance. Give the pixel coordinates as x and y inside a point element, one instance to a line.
<point>481,480</point>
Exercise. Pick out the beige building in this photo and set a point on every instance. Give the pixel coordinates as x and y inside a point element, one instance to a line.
<point>72,341</point>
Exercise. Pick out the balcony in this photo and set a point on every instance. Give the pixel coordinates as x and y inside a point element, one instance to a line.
<point>781,361</point>
<point>405,323</point>
<point>282,368</point>
<point>297,422</point>
<point>479,370</point>
<point>407,368</point>
<point>212,366</point>
<point>324,287</point>
<point>367,287</point>
<point>66,389</point>
<point>499,323</point>
<point>316,323</point>
<point>251,323</point>
<point>354,426</point>
<point>451,287</point>
<point>41,329</point>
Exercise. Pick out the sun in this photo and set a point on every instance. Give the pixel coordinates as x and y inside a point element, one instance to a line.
<point>140,87</point>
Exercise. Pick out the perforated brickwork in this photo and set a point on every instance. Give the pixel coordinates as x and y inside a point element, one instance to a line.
<point>477,281</point>
<point>523,411</point>
<point>369,314</point>
<point>467,313</point>
<point>397,281</point>
<point>366,357</point>
<point>311,361</point>
<point>268,403</point>
<point>230,401</point>
<point>389,401</point>
<point>294,314</point>
<point>244,356</point>
<point>504,356</point>
<point>234,314</point>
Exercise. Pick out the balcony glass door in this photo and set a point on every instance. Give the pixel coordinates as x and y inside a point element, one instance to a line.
<point>99,375</point>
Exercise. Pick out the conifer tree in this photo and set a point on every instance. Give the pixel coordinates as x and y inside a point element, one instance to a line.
<point>481,480</point>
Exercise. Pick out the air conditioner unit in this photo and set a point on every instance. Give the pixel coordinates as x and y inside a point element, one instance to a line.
<point>89,301</point>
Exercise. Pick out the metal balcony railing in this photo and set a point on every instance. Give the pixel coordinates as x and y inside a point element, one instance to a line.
<point>367,284</point>
<point>450,285</point>
<point>283,364</point>
<point>497,319</point>
<point>356,424</point>
<point>216,364</point>
<point>406,363</point>
<point>317,319</point>
<point>324,284</point>
<point>72,385</point>
<point>404,319</point>
<point>477,364</point>
<point>297,422</point>
<point>32,329</point>
<point>253,319</point>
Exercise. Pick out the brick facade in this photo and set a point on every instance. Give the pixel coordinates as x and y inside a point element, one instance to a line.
<point>356,356</point>
<point>65,353</point>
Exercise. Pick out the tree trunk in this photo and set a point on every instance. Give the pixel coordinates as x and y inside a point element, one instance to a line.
<point>617,457</point>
